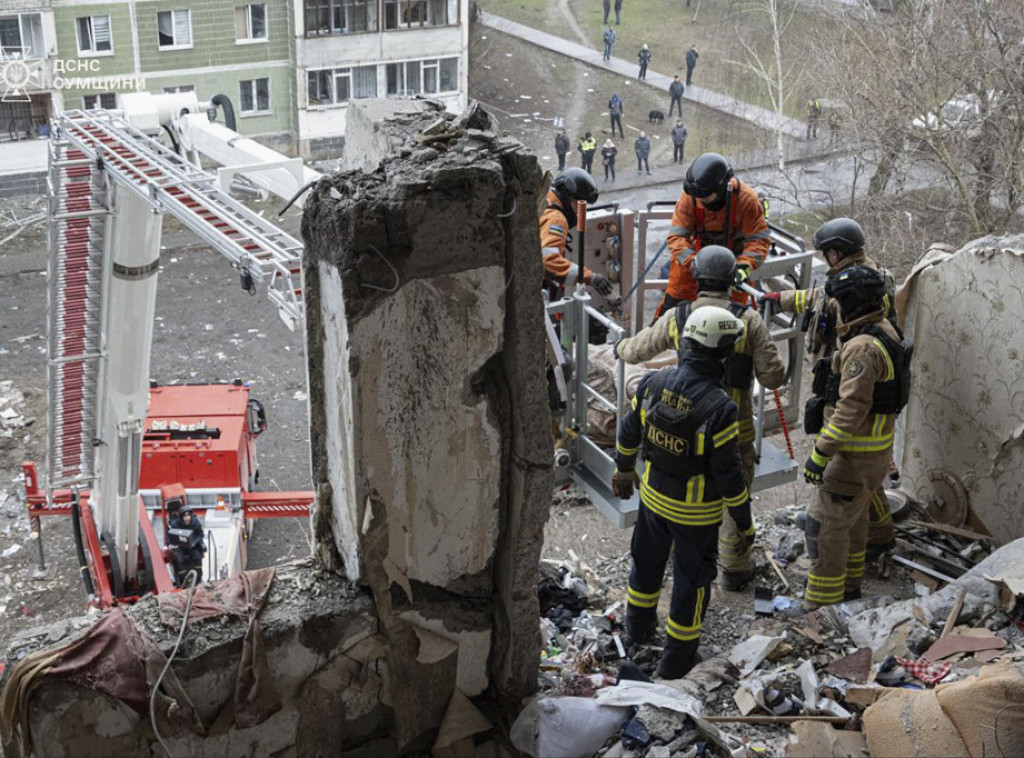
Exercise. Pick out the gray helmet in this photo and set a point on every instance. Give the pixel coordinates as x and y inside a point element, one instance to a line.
<point>860,290</point>
<point>841,234</point>
<point>709,173</point>
<point>714,268</point>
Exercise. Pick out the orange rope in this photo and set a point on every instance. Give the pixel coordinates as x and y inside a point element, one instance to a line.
<point>785,427</point>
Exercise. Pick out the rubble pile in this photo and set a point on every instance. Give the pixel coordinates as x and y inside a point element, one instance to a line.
<point>12,417</point>
<point>777,681</point>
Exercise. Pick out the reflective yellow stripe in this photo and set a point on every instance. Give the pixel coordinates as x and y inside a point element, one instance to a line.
<point>686,633</point>
<point>740,499</point>
<point>831,431</point>
<point>700,443</point>
<point>890,372</point>
<point>824,597</point>
<point>642,599</point>
<point>741,343</point>
<point>730,432</point>
<point>673,332</point>
<point>629,451</point>
<point>867,444</point>
<point>696,608</point>
<point>878,425</point>
<point>798,301</point>
<point>824,581</point>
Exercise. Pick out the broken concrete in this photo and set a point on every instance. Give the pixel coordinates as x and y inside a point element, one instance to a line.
<point>430,438</point>
<point>378,127</point>
<point>326,657</point>
<point>963,312</point>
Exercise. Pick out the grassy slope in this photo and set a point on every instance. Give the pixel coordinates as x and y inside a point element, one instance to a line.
<point>499,81</point>
<point>720,30</point>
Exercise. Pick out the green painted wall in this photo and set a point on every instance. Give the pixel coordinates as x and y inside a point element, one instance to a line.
<point>213,35</point>
<point>121,62</point>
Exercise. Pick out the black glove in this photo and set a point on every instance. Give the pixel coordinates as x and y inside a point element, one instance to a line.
<point>623,484</point>
<point>742,274</point>
<point>601,284</point>
<point>814,467</point>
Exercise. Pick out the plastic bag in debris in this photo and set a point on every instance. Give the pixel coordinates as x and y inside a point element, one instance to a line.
<point>573,727</point>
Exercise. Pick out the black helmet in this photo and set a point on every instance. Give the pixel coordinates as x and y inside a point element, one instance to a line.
<point>576,184</point>
<point>859,289</point>
<point>709,173</point>
<point>841,234</point>
<point>714,268</point>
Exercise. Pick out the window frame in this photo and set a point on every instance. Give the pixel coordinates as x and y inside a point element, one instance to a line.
<point>36,48</point>
<point>350,75</point>
<point>99,100</point>
<point>93,52</point>
<point>249,39</point>
<point>396,7</point>
<point>423,65</point>
<point>174,25</point>
<point>255,98</point>
<point>318,10</point>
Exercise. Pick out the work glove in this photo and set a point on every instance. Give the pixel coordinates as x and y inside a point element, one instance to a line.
<point>623,484</point>
<point>773,297</point>
<point>814,467</point>
<point>601,284</point>
<point>742,274</point>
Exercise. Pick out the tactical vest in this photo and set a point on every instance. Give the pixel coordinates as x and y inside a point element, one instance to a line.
<point>888,397</point>
<point>739,367</point>
<point>670,435</point>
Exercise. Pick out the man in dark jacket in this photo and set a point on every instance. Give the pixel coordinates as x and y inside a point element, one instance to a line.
<point>645,58</point>
<point>609,40</point>
<point>642,148</point>
<point>679,134</point>
<point>187,546</point>
<point>615,111</point>
<point>618,12</point>
<point>686,425</point>
<point>691,64</point>
<point>675,91</point>
<point>561,148</point>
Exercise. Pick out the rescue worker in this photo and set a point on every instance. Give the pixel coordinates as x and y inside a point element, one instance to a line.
<point>188,557</point>
<point>754,355</point>
<point>715,208</point>
<point>587,147</point>
<point>866,386</point>
<point>686,426</point>
<point>841,243</point>
<point>556,222</point>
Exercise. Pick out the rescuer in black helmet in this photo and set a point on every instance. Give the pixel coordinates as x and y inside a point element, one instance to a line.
<point>557,221</point>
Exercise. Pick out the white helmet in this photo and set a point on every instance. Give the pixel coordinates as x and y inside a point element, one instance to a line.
<point>714,329</point>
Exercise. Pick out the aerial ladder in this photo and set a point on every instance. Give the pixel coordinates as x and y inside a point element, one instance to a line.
<point>110,181</point>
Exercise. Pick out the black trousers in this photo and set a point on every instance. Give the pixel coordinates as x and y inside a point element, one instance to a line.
<point>689,76</point>
<point>561,161</point>
<point>617,121</point>
<point>643,71</point>
<point>694,567</point>
<point>676,101</point>
<point>588,162</point>
<point>642,164</point>
<point>677,153</point>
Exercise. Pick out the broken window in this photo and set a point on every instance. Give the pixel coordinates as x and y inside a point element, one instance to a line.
<point>431,76</point>
<point>339,85</point>
<point>254,95</point>
<point>340,16</point>
<point>21,36</point>
<point>94,35</point>
<point>251,23</point>
<point>106,100</point>
<point>174,29</point>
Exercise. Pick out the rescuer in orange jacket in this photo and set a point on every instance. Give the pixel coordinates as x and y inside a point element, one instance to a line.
<point>715,208</point>
<point>557,221</point>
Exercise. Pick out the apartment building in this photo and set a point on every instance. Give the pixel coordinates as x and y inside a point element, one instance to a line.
<point>27,45</point>
<point>348,49</point>
<point>291,67</point>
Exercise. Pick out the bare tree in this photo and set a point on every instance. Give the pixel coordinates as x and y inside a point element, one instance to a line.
<point>936,83</point>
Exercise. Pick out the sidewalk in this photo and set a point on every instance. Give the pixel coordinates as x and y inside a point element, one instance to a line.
<point>761,117</point>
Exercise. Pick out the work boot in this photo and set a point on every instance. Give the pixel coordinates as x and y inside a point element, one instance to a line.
<point>639,631</point>
<point>733,581</point>
<point>852,595</point>
<point>873,552</point>
<point>677,659</point>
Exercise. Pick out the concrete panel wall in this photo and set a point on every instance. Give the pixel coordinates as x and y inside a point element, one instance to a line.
<point>966,412</point>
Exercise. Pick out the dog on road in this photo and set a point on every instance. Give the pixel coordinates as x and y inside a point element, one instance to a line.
<point>656,117</point>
